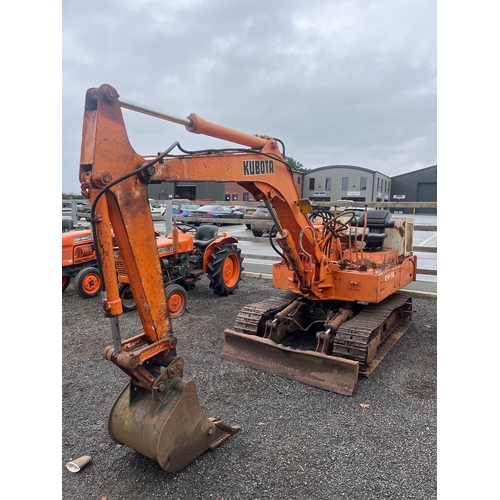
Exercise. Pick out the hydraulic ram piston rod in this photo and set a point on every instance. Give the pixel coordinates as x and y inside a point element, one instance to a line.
<point>152,112</point>
<point>198,125</point>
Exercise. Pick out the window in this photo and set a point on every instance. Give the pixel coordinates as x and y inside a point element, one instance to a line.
<point>328,184</point>
<point>298,179</point>
<point>235,197</point>
<point>362,183</point>
<point>345,183</point>
<point>245,196</point>
<point>311,183</point>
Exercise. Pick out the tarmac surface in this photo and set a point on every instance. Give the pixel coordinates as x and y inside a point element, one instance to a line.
<point>296,441</point>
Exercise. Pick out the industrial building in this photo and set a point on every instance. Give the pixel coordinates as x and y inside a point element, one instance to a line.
<point>345,182</point>
<point>419,185</point>
<point>329,183</point>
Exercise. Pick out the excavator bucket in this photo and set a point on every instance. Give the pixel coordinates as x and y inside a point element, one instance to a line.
<point>169,427</point>
<point>319,370</point>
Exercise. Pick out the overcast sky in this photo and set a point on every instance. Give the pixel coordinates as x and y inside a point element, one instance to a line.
<point>338,81</point>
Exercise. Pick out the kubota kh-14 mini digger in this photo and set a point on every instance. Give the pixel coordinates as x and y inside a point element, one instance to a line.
<point>341,274</point>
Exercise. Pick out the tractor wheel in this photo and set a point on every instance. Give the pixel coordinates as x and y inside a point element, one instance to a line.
<point>224,270</point>
<point>125,292</point>
<point>66,280</point>
<point>176,300</point>
<point>87,282</point>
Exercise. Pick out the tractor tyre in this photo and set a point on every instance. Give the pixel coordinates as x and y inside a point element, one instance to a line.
<point>87,282</point>
<point>65,283</point>
<point>125,293</point>
<point>176,300</point>
<point>224,270</point>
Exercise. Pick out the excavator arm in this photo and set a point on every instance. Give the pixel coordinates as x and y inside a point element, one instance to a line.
<point>115,179</point>
<point>262,170</point>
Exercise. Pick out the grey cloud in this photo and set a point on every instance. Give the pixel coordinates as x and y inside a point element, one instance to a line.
<point>339,82</point>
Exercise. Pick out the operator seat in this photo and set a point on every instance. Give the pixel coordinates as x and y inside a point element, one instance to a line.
<point>376,223</point>
<point>204,236</point>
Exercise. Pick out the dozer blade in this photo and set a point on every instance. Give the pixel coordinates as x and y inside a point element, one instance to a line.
<point>319,370</point>
<point>169,427</point>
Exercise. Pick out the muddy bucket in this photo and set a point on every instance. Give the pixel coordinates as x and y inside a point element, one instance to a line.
<point>169,427</point>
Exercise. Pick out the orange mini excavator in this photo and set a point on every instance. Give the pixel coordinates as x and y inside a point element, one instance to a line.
<point>340,273</point>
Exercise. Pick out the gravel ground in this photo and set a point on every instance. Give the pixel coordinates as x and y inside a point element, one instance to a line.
<point>296,441</point>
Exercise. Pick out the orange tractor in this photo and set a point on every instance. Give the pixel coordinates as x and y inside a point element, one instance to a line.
<point>341,274</point>
<point>199,251</point>
<point>79,263</point>
<point>185,255</point>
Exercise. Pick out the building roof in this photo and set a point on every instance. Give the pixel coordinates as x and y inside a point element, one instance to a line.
<point>342,166</point>
<point>415,171</point>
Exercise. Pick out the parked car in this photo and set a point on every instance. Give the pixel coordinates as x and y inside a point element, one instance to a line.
<point>216,212</point>
<point>156,208</point>
<point>247,213</point>
<point>183,210</point>
<point>262,222</point>
<point>84,208</point>
<point>81,209</point>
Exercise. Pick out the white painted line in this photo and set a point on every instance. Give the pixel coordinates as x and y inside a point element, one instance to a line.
<point>427,240</point>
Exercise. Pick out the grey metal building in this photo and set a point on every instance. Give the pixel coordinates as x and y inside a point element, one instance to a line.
<point>420,185</point>
<point>188,190</point>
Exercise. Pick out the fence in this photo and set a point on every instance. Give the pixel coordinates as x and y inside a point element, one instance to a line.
<point>396,207</point>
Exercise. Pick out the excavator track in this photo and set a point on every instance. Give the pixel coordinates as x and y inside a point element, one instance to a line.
<point>244,345</point>
<point>371,334</point>
<point>250,316</point>
<point>359,345</point>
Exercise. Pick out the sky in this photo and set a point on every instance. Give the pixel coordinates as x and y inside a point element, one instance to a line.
<point>350,82</point>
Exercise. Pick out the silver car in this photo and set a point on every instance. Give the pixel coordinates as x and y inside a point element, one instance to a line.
<point>262,222</point>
